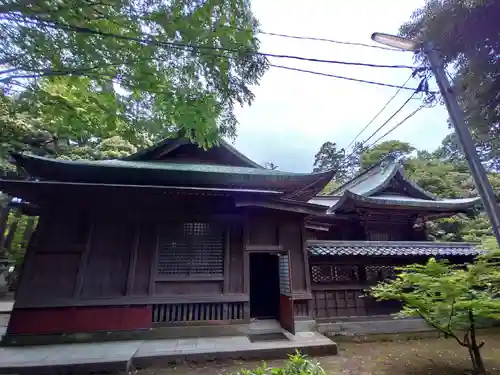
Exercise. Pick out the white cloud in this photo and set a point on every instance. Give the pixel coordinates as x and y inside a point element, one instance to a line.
<point>295,113</point>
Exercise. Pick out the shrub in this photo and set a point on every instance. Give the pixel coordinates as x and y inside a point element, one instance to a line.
<point>297,364</point>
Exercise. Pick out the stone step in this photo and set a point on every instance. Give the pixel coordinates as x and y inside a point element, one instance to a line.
<point>257,327</point>
<point>127,355</point>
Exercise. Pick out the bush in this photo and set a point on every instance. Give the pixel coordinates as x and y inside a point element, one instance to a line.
<point>296,364</point>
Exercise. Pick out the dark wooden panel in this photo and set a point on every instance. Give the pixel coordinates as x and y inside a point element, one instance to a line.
<point>58,232</point>
<point>291,240</point>
<point>287,319</point>
<point>107,265</point>
<point>145,253</point>
<point>350,303</point>
<point>79,319</point>
<point>182,287</point>
<point>301,308</point>
<point>236,259</point>
<point>50,275</point>
<point>262,230</point>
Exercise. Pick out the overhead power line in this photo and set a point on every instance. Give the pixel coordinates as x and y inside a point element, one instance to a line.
<point>363,144</point>
<point>327,40</point>
<point>396,126</point>
<point>331,41</point>
<point>390,118</point>
<point>149,39</point>
<point>346,78</point>
<point>379,112</point>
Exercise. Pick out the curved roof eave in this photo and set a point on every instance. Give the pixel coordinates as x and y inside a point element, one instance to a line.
<point>435,205</point>
<point>415,186</point>
<point>382,185</point>
<point>310,190</point>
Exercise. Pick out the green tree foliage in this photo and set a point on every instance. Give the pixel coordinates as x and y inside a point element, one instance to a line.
<point>89,70</point>
<point>444,173</point>
<point>396,149</point>
<point>297,364</point>
<point>345,163</point>
<point>468,35</point>
<point>454,300</point>
<point>328,157</point>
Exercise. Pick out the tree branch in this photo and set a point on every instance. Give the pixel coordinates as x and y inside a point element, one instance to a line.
<point>450,333</point>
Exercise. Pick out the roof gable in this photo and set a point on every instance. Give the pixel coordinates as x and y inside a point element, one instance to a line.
<point>384,178</point>
<point>182,150</point>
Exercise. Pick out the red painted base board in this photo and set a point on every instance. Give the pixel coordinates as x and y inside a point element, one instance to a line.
<point>79,319</point>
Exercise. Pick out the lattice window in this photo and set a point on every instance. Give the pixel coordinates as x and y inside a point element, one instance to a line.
<point>375,273</point>
<point>284,268</point>
<point>329,273</point>
<point>192,249</point>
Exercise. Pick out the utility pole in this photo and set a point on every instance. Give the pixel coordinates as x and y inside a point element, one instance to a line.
<point>477,170</point>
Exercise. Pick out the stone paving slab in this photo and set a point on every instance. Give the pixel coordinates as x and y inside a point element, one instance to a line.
<point>112,356</point>
<point>162,352</point>
<point>124,355</point>
<point>6,307</point>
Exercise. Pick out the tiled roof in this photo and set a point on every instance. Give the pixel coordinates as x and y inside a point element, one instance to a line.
<point>391,248</point>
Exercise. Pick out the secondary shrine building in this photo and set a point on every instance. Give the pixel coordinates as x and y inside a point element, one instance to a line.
<point>177,236</point>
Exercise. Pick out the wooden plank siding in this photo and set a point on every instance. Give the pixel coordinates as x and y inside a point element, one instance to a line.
<point>92,260</point>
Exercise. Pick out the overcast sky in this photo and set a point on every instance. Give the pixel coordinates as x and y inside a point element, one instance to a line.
<point>295,113</point>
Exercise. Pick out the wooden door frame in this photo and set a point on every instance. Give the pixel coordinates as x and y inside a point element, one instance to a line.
<point>246,267</point>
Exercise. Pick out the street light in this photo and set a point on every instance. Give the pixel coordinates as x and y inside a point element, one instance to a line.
<point>481,181</point>
<point>396,41</point>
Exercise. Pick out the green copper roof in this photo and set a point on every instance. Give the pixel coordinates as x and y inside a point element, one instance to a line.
<point>175,174</point>
<point>169,145</point>
<point>378,177</point>
<point>203,168</point>
<point>371,189</point>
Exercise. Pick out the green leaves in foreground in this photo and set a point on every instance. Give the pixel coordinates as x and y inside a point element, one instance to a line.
<point>455,300</point>
<point>297,364</point>
<point>138,70</point>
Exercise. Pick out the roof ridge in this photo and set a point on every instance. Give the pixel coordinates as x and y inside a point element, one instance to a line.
<point>364,172</point>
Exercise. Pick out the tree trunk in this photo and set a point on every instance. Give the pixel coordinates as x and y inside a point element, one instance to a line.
<point>474,347</point>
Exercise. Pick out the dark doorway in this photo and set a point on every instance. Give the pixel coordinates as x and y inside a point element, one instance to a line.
<point>264,286</point>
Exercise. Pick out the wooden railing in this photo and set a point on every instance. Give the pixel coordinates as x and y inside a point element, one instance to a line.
<point>349,301</point>
<point>198,312</point>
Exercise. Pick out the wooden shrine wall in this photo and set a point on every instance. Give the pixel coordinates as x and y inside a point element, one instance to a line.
<point>280,231</point>
<point>105,271</point>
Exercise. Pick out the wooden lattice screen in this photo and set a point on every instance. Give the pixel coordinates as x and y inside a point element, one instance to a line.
<point>284,268</point>
<point>192,249</point>
<point>379,272</point>
<point>332,273</point>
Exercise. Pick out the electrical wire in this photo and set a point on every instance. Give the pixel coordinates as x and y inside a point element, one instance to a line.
<point>396,126</point>
<point>390,118</point>
<point>346,78</point>
<point>363,146</point>
<point>331,41</point>
<point>327,40</point>
<point>150,40</point>
<point>379,112</point>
